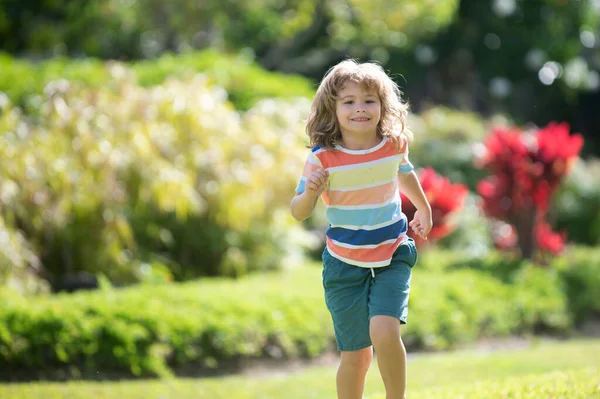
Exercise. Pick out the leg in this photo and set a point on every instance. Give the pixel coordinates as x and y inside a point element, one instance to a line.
<point>347,296</point>
<point>352,372</point>
<point>391,354</point>
<point>388,308</point>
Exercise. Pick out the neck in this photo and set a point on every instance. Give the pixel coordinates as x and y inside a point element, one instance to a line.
<point>351,142</point>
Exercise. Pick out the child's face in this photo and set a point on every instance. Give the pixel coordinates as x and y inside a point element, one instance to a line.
<point>358,110</point>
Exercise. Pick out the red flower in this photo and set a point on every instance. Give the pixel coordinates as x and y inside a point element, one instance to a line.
<point>527,168</point>
<point>549,240</point>
<point>444,198</point>
<point>504,148</point>
<point>555,143</point>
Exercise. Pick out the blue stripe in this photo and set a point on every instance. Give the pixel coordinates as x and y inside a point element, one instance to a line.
<point>301,186</point>
<point>316,148</point>
<point>364,217</point>
<point>368,237</point>
<point>406,167</point>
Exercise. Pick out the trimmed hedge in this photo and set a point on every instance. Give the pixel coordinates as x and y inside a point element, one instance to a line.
<point>574,276</point>
<point>147,329</point>
<point>155,330</point>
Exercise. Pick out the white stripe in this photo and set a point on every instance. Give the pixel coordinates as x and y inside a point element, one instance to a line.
<point>371,246</point>
<point>361,164</point>
<point>375,227</point>
<point>320,150</point>
<point>369,206</point>
<point>370,185</point>
<point>361,264</point>
<point>366,264</point>
<point>312,158</point>
<point>367,151</point>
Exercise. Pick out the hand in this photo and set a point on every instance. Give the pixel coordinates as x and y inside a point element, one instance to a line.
<point>422,224</point>
<point>317,182</point>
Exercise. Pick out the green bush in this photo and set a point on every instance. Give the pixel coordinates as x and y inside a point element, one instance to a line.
<point>567,285</point>
<point>471,234</point>
<point>245,83</point>
<point>539,301</point>
<point>19,266</point>
<point>147,329</point>
<point>445,140</point>
<point>450,308</point>
<point>579,269</point>
<point>458,306</point>
<point>155,329</point>
<point>124,179</point>
<point>576,208</point>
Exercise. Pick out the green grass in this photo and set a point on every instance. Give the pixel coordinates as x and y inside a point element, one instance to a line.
<point>576,384</point>
<point>543,370</point>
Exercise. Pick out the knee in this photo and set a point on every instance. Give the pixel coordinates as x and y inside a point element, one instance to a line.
<point>384,331</point>
<point>359,360</point>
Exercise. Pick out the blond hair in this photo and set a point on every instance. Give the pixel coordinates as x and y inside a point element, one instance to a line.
<point>322,125</point>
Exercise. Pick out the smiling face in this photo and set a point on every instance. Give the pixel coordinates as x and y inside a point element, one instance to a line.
<point>358,110</point>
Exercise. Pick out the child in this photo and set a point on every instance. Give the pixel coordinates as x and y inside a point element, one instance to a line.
<point>358,165</point>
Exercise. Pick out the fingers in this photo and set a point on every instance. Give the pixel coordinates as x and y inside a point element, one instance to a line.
<point>420,232</point>
<point>420,229</point>
<point>323,176</point>
<point>318,180</point>
<point>312,186</point>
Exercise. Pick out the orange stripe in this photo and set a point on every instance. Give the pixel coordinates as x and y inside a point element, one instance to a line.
<point>403,146</point>
<point>309,168</point>
<point>379,254</point>
<point>341,158</point>
<point>365,196</point>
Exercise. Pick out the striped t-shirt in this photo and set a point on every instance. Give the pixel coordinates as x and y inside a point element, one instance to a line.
<point>362,200</point>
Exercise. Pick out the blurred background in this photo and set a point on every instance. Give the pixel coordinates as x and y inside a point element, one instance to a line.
<point>151,149</point>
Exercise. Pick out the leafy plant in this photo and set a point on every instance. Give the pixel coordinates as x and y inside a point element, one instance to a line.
<point>527,168</point>
<point>444,197</point>
<point>128,180</point>
<point>160,329</point>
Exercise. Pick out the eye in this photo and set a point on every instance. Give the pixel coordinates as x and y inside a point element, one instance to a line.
<point>349,102</point>
<point>370,101</point>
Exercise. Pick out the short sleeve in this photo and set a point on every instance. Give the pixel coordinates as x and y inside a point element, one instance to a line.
<point>405,165</point>
<point>311,165</point>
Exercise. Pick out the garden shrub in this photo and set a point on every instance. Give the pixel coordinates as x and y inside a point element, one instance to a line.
<point>445,140</point>
<point>158,329</point>
<point>129,181</point>
<point>579,269</point>
<point>576,209</point>
<point>19,266</point>
<point>567,286</point>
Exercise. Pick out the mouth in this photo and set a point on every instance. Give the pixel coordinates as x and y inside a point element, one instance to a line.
<point>360,119</point>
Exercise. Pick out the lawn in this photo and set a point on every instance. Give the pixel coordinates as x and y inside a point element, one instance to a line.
<point>541,369</point>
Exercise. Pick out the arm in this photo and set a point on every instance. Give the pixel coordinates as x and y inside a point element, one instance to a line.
<point>410,186</point>
<point>303,204</point>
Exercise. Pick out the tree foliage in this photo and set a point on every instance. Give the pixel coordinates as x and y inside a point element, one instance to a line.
<point>536,61</point>
<point>146,28</point>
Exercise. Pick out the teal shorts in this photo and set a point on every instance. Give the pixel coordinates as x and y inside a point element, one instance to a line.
<point>354,294</point>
